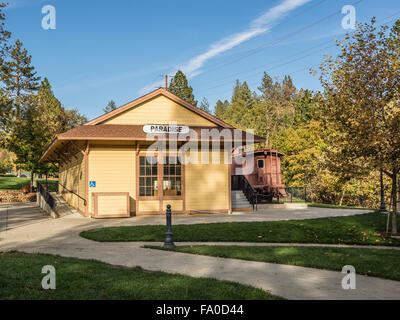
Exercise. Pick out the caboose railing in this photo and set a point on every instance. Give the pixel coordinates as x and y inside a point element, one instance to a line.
<point>248,190</point>
<point>254,197</point>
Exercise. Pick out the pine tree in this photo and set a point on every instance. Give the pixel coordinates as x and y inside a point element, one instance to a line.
<point>179,86</point>
<point>220,109</point>
<point>267,88</point>
<point>51,111</point>
<point>19,76</point>
<point>204,105</point>
<point>4,35</point>
<point>42,118</point>
<point>242,95</point>
<point>110,106</point>
<point>288,89</point>
<point>20,83</point>
<point>240,111</point>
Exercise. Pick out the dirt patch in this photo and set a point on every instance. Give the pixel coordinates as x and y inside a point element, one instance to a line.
<point>11,196</point>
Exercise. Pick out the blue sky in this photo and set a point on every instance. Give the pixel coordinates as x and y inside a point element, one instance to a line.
<point>103,50</point>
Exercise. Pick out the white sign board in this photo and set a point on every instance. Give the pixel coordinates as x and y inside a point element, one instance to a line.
<point>165,128</point>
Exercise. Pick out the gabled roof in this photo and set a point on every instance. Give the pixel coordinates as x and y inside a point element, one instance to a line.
<point>96,130</point>
<point>118,132</point>
<point>151,95</point>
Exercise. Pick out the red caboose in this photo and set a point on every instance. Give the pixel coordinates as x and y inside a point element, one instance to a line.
<point>262,170</point>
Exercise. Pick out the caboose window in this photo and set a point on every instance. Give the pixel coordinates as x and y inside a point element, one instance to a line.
<point>260,164</point>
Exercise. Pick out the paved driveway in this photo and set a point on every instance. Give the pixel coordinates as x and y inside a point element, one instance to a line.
<point>61,237</point>
<point>20,214</point>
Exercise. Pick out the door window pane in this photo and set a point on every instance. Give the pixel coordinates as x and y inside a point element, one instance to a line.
<point>148,176</point>
<point>172,177</point>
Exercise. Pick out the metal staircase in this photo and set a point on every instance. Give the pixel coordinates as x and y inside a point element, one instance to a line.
<point>240,202</point>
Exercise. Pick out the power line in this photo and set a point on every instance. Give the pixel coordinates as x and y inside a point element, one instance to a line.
<point>299,58</point>
<point>280,65</point>
<point>217,65</point>
<point>257,49</point>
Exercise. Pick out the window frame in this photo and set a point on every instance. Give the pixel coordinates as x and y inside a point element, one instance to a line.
<point>151,176</point>
<point>172,176</point>
<point>160,197</point>
<point>263,164</point>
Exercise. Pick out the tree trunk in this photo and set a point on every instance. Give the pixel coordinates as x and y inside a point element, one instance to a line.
<point>32,176</point>
<point>394,201</point>
<point>341,199</point>
<point>398,199</point>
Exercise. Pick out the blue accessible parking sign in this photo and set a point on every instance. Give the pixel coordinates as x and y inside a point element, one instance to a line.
<point>92,184</point>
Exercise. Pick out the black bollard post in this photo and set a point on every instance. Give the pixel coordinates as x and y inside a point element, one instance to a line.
<point>169,242</point>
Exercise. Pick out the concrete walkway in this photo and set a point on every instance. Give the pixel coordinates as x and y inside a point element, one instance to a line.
<point>16,215</point>
<point>61,237</point>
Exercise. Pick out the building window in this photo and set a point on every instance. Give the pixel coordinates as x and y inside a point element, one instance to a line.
<point>148,176</point>
<point>260,164</point>
<point>172,176</point>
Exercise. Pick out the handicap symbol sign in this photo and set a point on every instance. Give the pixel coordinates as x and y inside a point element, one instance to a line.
<point>92,184</point>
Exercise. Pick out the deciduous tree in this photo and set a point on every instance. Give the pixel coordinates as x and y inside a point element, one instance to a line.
<point>362,101</point>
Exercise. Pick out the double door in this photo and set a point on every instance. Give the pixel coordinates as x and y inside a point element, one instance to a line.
<point>160,178</point>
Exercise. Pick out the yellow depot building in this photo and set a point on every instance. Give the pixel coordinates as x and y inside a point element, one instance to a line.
<point>109,167</point>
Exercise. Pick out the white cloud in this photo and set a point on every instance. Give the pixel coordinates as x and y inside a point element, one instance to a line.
<point>219,47</point>
<point>278,12</point>
<point>256,27</point>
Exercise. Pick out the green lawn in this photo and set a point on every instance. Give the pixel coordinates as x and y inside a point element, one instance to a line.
<point>14,183</point>
<point>359,229</point>
<point>20,278</point>
<point>371,262</point>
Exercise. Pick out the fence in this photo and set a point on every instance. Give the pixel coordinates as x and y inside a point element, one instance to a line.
<point>295,194</point>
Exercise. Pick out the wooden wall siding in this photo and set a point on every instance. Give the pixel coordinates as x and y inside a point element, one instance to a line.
<point>176,205</point>
<point>160,110</point>
<point>93,143</point>
<point>149,206</point>
<point>207,185</point>
<point>113,169</point>
<point>111,205</point>
<point>72,176</point>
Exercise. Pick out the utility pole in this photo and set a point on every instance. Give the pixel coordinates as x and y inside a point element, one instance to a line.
<point>166,80</point>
